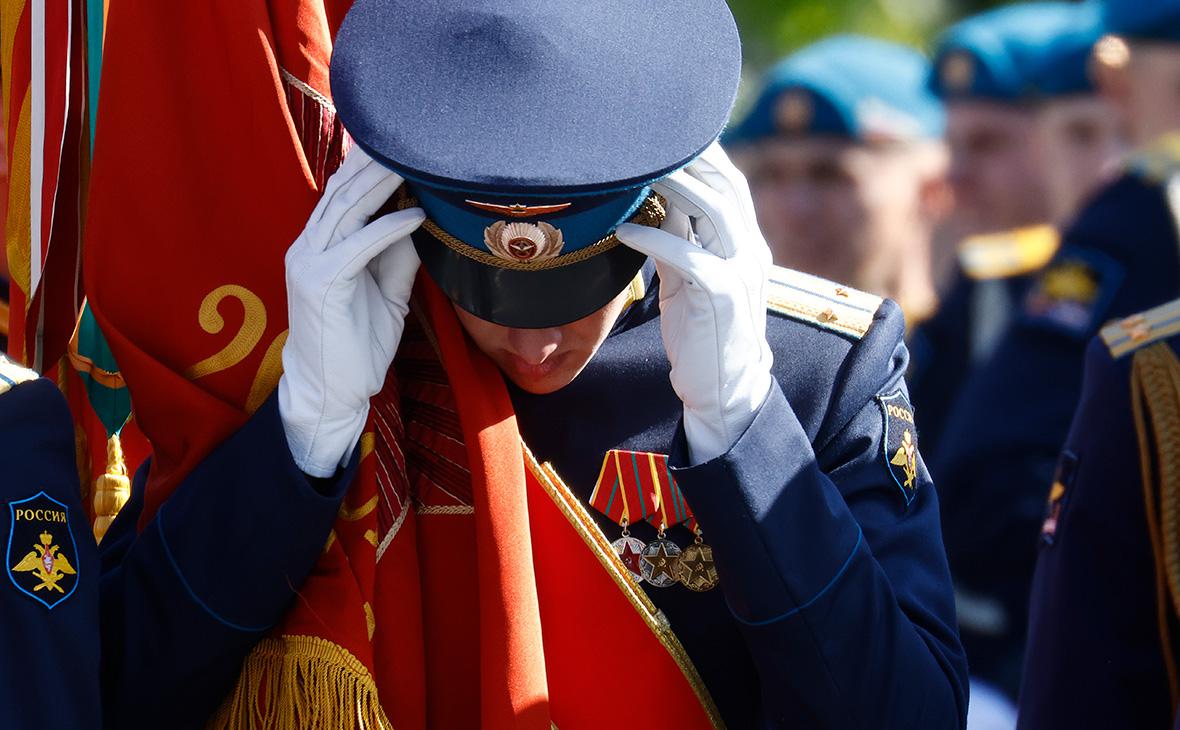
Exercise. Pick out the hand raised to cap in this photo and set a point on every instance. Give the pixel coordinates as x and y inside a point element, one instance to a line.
<point>348,291</point>
<point>712,299</point>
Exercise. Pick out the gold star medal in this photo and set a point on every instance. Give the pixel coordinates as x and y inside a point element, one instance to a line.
<point>660,560</point>
<point>695,569</point>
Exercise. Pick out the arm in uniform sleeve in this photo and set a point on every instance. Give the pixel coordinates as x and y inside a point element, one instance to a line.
<point>841,589</point>
<point>49,644</point>
<point>1094,654</point>
<point>184,601</point>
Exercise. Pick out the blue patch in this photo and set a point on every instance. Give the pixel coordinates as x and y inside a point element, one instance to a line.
<point>900,443</point>
<point>42,556</point>
<point>1074,292</point>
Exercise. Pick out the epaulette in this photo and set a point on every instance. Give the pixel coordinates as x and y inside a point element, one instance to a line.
<point>1158,161</point>
<point>823,303</point>
<point>1008,254</point>
<point>1132,333</point>
<point>12,374</point>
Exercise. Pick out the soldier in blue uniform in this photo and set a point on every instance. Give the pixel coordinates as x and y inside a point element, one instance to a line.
<point>1104,617</point>
<point>1001,442</point>
<point>778,398</point>
<point>843,149</point>
<point>49,607</point>
<point>1030,137</point>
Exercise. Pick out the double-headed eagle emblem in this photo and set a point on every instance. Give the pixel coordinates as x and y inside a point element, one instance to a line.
<point>907,458</point>
<point>47,564</point>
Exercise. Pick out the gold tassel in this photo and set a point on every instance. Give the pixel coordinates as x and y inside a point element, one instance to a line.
<point>111,490</point>
<point>302,683</point>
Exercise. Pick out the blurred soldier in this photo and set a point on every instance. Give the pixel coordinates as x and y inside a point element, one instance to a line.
<point>49,644</point>
<point>1104,618</point>
<point>1001,441</point>
<point>843,152</point>
<point>1029,137</point>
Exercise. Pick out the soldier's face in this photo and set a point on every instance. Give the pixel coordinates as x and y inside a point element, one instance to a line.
<point>545,360</point>
<point>837,209</point>
<point>1080,141</point>
<point>996,168</point>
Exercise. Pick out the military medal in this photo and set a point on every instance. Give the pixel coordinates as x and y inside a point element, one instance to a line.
<point>635,485</point>
<point>630,551</point>
<point>618,498</point>
<point>695,569</point>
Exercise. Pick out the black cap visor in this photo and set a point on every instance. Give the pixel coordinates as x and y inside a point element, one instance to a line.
<point>528,299</point>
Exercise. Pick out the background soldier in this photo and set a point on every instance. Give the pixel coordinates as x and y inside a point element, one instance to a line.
<point>1001,442</point>
<point>847,168</point>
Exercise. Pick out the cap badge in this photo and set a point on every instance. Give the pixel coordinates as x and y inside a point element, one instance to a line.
<point>958,71</point>
<point>518,210</point>
<point>794,112</point>
<point>518,241</point>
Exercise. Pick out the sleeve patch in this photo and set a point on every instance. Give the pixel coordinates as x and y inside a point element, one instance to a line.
<point>1067,467</point>
<point>900,443</point>
<point>1072,294</point>
<point>41,555</point>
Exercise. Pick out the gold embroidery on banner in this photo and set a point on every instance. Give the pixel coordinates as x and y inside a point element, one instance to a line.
<point>371,537</point>
<point>368,444</point>
<point>587,529</point>
<point>247,337</point>
<point>352,515</point>
<point>370,619</point>
<point>267,377</point>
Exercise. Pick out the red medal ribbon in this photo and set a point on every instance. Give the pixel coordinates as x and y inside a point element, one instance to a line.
<point>638,485</point>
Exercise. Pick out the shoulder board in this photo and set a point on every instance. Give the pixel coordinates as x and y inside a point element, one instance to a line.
<point>1008,254</point>
<point>1157,161</point>
<point>824,303</point>
<point>12,374</point>
<point>1139,330</point>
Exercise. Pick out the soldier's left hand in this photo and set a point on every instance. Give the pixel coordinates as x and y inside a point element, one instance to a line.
<point>712,299</point>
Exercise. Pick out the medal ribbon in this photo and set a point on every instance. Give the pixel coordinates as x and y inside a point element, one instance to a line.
<point>637,486</point>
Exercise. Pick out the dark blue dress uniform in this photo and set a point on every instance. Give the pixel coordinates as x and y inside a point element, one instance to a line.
<point>834,608</point>
<point>185,599</point>
<point>1103,621</point>
<point>1001,442</point>
<point>49,643</point>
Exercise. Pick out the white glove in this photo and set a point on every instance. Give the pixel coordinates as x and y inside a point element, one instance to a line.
<point>712,300</point>
<point>348,291</point>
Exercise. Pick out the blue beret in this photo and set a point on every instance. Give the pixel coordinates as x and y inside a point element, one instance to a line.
<point>1144,19</point>
<point>528,130</point>
<point>1018,53</point>
<point>849,86</point>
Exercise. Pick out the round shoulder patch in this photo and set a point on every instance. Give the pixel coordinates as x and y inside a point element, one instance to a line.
<point>41,551</point>
<point>900,442</point>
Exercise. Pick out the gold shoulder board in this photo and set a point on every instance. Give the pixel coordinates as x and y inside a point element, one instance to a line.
<point>821,302</point>
<point>1008,254</point>
<point>1157,161</point>
<point>1139,330</point>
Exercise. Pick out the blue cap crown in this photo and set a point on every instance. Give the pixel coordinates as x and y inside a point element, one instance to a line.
<point>863,89</point>
<point>1019,53</point>
<point>1157,20</point>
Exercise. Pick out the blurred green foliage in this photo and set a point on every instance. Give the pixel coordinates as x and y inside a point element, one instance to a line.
<point>773,28</point>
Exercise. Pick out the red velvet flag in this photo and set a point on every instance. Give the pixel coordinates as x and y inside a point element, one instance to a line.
<point>214,135</point>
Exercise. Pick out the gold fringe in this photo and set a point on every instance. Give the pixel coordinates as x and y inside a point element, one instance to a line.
<point>302,683</point>
<point>1155,383</point>
<point>111,490</point>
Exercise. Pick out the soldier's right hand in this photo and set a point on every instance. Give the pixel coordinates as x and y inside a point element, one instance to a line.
<point>348,291</point>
